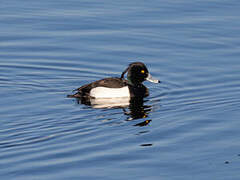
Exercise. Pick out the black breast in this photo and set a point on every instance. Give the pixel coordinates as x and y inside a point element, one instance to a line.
<point>138,91</point>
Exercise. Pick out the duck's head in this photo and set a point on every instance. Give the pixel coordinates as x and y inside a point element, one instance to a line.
<point>137,73</point>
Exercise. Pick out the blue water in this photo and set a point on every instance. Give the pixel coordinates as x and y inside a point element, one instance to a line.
<point>188,128</point>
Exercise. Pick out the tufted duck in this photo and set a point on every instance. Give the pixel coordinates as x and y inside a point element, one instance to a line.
<point>119,87</point>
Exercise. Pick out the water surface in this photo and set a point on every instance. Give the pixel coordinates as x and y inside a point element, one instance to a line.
<point>188,128</point>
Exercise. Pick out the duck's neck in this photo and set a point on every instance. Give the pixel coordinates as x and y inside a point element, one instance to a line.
<point>133,83</point>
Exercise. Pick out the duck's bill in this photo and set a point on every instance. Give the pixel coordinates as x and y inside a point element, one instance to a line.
<point>151,79</point>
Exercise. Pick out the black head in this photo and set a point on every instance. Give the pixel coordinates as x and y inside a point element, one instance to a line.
<point>137,73</point>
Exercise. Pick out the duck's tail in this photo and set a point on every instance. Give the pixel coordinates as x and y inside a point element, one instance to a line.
<point>76,95</point>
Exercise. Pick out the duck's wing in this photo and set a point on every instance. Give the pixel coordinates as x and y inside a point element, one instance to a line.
<point>110,83</point>
<point>84,90</point>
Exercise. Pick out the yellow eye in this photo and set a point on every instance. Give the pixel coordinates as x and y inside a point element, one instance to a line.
<point>142,71</point>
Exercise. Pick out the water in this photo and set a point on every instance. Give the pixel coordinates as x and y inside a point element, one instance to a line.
<point>188,128</point>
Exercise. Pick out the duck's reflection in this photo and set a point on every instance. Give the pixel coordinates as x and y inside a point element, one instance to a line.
<point>144,123</point>
<point>137,109</point>
<point>105,102</point>
<point>133,108</point>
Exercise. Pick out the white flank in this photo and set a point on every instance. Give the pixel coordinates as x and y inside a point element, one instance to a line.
<point>104,92</point>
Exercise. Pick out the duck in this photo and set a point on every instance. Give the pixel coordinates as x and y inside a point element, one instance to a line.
<point>119,87</point>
